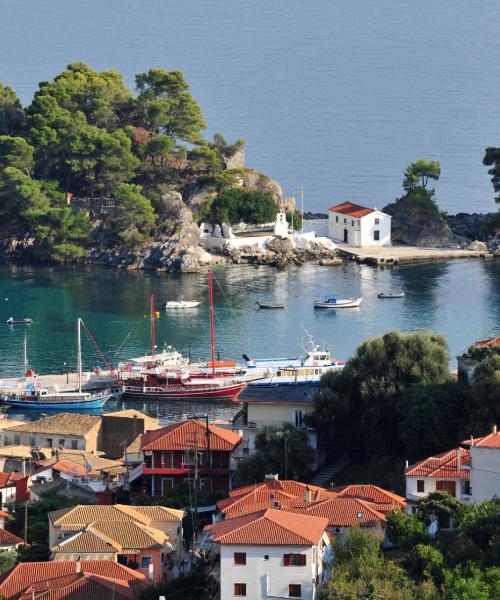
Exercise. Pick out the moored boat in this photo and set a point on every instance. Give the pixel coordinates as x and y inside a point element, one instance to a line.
<point>181,304</point>
<point>12,321</point>
<point>334,302</point>
<point>41,399</point>
<point>391,294</point>
<point>270,305</point>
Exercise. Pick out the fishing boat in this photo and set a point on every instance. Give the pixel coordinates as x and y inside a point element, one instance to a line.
<point>270,305</point>
<point>302,370</point>
<point>12,321</point>
<point>180,304</point>
<point>157,382</point>
<point>334,302</point>
<point>391,294</point>
<point>37,397</point>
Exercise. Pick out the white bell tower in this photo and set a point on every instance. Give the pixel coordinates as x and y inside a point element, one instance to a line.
<point>281,225</point>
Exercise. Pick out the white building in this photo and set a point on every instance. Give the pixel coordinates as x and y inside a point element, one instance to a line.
<point>485,466</point>
<point>270,554</point>
<point>446,472</point>
<point>359,226</point>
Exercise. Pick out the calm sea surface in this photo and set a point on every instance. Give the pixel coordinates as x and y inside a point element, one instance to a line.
<point>459,299</point>
<point>334,96</point>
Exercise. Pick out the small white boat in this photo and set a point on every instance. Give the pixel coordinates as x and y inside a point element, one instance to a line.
<point>270,305</point>
<point>391,294</point>
<point>180,303</point>
<point>12,321</point>
<point>334,302</point>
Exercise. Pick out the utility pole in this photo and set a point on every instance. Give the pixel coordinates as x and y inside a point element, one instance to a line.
<point>285,439</point>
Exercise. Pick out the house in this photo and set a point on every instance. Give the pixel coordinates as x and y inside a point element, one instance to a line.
<point>270,554</point>
<point>447,472</point>
<point>142,537</point>
<point>109,433</point>
<point>72,580</point>
<point>485,465</point>
<point>170,455</point>
<point>359,226</point>
<point>9,541</point>
<point>283,404</point>
<point>63,430</point>
<point>470,360</point>
<point>14,487</point>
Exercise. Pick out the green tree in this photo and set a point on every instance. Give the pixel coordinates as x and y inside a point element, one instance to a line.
<point>11,112</point>
<point>164,105</point>
<point>479,524</point>
<point>468,585</point>
<point>16,152</point>
<point>440,505</point>
<point>406,530</point>
<point>492,159</point>
<point>418,173</point>
<point>425,562</point>
<point>135,218</point>
<point>358,406</point>
<point>8,559</point>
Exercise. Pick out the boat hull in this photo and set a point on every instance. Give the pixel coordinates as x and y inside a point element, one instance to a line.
<point>390,296</point>
<point>33,404</point>
<point>270,306</point>
<point>183,393</point>
<point>354,303</point>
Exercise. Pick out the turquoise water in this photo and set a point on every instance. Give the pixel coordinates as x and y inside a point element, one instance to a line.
<point>336,97</point>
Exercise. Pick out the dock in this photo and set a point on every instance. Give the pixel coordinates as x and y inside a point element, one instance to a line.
<point>395,255</point>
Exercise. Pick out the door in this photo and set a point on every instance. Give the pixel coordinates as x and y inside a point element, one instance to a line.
<point>346,236</point>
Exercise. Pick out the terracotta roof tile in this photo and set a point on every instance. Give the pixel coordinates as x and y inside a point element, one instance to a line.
<point>352,210</point>
<point>62,423</point>
<point>494,341</point>
<point>180,436</point>
<point>86,542</point>
<point>492,440</point>
<point>444,465</point>
<point>270,528</point>
<point>9,539</point>
<point>345,512</point>
<point>371,493</point>
<point>129,535</point>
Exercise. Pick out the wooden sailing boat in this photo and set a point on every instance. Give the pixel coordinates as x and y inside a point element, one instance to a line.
<point>170,383</point>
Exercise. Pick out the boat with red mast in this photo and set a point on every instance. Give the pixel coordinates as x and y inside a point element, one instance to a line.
<point>160,382</point>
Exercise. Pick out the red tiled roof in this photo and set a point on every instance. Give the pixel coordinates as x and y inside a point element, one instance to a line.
<point>345,512</point>
<point>9,539</point>
<point>370,493</point>
<point>494,341</point>
<point>182,436</point>
<point>7,479</point>
<point>491,440</point>
<point>270,528</point>
<point>352,210</point>
<point>71,580</point>
<point>74,469</point>
<point>442,465</point>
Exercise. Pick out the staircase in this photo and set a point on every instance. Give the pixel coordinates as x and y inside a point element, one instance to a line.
<point>328,472</point>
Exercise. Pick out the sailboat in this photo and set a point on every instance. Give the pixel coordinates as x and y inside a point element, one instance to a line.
<point>159,382</point>
<point>38,397</point>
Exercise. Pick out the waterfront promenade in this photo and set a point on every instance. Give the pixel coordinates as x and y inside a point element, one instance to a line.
<point>406,254</point>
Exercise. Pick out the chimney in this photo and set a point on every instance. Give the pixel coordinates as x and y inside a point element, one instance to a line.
<point>459,459</point>
<point>308,495</point>
<point>407,463</point>
<point>78,566</point>
<point>494,429</point>
<point>271,476</point>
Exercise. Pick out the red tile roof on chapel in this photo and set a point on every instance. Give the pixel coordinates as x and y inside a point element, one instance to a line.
<point>181,436</point>
<point>269,528</point>
<point>444,465</point>
<point>352,210</point>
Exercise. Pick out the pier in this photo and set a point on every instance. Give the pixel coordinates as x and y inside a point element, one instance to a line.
<point>395,255</point>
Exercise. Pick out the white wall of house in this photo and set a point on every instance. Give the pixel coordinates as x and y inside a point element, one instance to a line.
<point>268,578</point>
<point>362,231</point>
<point>42,440</point>
<point>485,473</point>
<point>430,485</point>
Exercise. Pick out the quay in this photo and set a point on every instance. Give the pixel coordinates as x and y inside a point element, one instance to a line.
<point>395,255</point>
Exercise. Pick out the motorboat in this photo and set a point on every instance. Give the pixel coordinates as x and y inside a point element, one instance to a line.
<point>391,294</point>
<point>40,398</point>
<point>334,302</point>
<point>167,358</point>
<point>270,305</point>
<point>180,304</point>
<point>301,370</point>
<point>12,321</point>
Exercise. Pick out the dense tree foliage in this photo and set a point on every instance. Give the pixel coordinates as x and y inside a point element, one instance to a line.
<point>417,174</point>
<point>87,134</point>
<point>236,205</point>
<point>284,450</point>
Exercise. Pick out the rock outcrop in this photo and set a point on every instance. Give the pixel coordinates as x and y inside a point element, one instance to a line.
<point>255,180</point>
<point>468,226</point>
<point>417,226</point>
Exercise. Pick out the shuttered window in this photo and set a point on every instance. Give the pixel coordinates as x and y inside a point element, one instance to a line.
<point>294,560</point>
<point>240,589</point>
<point>240,558</point>
<point>295,590</point>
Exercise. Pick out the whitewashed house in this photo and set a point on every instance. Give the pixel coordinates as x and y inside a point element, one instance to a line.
<point>359,226</point>
<point>270,554</point>
<point>485,466</point>
<point>447,472</point>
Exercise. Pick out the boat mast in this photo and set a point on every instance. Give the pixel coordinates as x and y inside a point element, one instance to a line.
<point>79,353</point>
<point>153,340</point>
<point>212,332</point>
<point>25,354</point>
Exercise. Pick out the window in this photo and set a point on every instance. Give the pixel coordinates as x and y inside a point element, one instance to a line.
<point>266,556</point>
<point>420,486</point>
<point>295,590</point>
<point>74,444</point>
<point>61,443</point>
<point>294,560</point>
<point>32,441</point>
<point>345,220</point>
<point>167,459</point>
<point>49,442</point>
<point>299,418</point>
<point>377,221</point>
<point>240,589</point>
<point>17,439</point>
<point>336,219</point>
<point>352,223</point>
<point>447,486</point>
<point>240,558</point>
<point>167,484</point>
<point>467,489</point>
<point>376,235</point>
<point>145,562</point>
